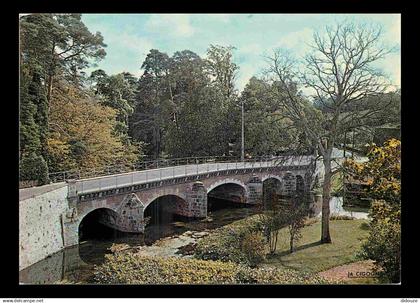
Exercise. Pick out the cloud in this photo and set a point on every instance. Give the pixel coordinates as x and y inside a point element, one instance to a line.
<point>252,48</point>
<point>296,41</point>
<point>393,33</point>
<point>246,72</point>
<point>174,24</point>
<point>391,66</point>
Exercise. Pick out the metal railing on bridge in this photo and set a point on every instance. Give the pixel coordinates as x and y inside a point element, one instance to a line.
<point>154,164</point>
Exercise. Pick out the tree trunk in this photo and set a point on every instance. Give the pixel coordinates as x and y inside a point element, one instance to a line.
<point>291,244</point>
<point>49,88</point>
<point>326,191</point>
<point>51,75</point>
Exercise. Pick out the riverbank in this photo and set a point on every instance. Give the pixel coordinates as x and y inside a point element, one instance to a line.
<point>179,246</point>
<point>312,262</point>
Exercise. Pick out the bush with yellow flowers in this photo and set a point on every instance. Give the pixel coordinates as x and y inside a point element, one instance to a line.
<point>383,174</point>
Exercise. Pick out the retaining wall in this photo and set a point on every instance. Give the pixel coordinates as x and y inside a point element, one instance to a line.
<point>40,227</point>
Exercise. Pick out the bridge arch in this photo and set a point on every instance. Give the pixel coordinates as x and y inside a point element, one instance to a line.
<point>159,194</point>
<point>300,184</point>
<point>266,177</point>
<point>93,223</point>
<point>226,193</point>
<point>81,216</point>
<point>164,209</point>
<point>272,187</point>
<point>169,195</point>
<point>227,181</point>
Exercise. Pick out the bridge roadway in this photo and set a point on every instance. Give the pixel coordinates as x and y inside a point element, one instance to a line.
<point>85,186</point>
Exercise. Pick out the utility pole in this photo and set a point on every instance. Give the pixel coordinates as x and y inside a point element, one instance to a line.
<point>242,134</point>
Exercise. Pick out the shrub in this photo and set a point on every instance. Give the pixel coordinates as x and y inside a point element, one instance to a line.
<point>226,243</point>
<point>133,269</point>
<point>272,275</point>
<point>129,268</point>
<point>384,242</point>
<point>33,168</point>
<point>254,248</point>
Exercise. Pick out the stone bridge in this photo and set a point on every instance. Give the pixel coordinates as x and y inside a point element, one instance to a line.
<point>125,197</point>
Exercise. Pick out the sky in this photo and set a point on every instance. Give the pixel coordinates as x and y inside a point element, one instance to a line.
<point>129,37</point>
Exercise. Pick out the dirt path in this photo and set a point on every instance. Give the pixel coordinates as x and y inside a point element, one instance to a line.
<point>352,272</point>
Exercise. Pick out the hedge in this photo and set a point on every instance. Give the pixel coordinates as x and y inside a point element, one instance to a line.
<point>131,268</point>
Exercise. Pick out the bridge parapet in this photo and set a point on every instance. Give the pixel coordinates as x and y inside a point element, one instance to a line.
<point>143,180</point>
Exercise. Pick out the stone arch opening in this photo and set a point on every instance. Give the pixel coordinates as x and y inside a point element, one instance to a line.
<point>97,225</point>
<point>226,195</point>
<point>272,187</point>
<point>300,185</point>
<point>163,216</point>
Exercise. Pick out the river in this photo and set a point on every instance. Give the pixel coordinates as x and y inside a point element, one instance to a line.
<point>76,264</point>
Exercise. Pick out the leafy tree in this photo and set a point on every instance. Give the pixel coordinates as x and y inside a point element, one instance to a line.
<point>28,128</point>
<point>33,123</point>
<point>339,72</point>
<point>179,107</point>
<point>384,242</point>
<point>196,107</point>
<point>295,219</point>
<point>117,92</point>
<point>53,47</point>
<point>58,44</point>
<point>267,131</point>
<point>223,71</point>
<point>383,174</point>
<point>82,133</point>
<point>150,109</point>
<point>33,167</point>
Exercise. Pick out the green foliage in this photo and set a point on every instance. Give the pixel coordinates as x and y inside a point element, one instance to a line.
<point>279,214</point>
<point>82,133</point>
<point>294,216</point>
<point>33,167</point>
<point>384,242</point>
<point>118,92</point>
<point>129,268</point>
<point>382,172</point>
<point>254,247</point>
<point>54,48</point>
<point>267,130</point>
<point>183,101</point>
<point>232,242</point>
<point>28,129</point>
<point>383,175</point>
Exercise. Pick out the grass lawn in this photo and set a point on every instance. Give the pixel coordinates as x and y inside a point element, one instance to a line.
<point>311,256</point>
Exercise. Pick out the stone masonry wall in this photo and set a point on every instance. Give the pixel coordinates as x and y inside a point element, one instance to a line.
<point>40,228</point>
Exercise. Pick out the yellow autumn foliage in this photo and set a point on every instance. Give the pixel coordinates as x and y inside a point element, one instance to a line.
<point>78,120</point>
<point>382,172</point>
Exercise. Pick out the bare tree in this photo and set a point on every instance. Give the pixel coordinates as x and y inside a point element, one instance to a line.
<point>339,73</point>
